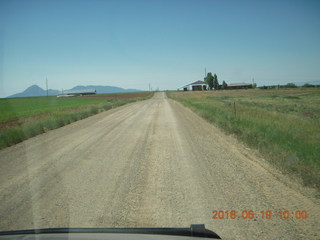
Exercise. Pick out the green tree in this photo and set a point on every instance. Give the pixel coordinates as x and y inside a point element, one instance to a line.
<point>209,80</point>
<point>215,82</point>
<point>254,85</point>
<point>224,85</point>
<point>291,85</point>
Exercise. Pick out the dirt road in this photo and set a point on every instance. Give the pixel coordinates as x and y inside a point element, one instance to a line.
<point>148,164</point>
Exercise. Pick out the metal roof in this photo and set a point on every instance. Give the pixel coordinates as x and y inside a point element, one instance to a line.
<point>79,91</point>
<point>199,82</point>
<point>238,84</point>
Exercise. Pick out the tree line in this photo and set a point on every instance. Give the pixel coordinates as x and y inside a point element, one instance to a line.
<point>213,83</point>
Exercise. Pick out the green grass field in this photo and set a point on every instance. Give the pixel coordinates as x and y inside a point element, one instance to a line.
<point>283,124</point>
<point>17,108</point>
<point>22,118</point>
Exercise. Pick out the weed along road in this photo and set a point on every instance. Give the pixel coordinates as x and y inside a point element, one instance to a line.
<point>152,163</point>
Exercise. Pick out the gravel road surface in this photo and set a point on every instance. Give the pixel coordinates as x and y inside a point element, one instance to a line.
<point>152,163</point>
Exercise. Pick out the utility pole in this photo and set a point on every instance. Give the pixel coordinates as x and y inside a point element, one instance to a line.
<point>47,86</point>
<point>205,72</point>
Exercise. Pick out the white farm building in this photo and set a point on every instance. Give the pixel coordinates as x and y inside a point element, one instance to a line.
<point>75,93</point>
<point>195,86</point>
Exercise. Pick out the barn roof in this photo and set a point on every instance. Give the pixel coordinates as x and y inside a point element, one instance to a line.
<point>238,84</point>
<point>199,82</point>
<point>81,91</point>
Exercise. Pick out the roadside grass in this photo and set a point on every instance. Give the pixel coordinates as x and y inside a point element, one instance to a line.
<point>23,118</point>
<point>284,124</point>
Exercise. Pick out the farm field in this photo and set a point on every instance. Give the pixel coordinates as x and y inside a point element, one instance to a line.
<point>22,118</point>
<point>283,124</point>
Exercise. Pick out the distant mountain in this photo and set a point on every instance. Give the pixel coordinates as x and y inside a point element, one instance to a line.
<point>105,89</point>
<point>36,91</point>
<point>307,82</point>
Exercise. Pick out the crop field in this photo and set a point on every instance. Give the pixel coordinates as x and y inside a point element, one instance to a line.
<point>22,118</point>
<point>283,124</point>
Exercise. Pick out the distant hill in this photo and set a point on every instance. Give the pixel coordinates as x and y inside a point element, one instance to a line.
<point>36,91</point>
<point>307,82</point>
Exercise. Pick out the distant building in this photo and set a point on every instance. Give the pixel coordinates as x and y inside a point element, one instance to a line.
<point>74,93</point>
<point>195,86</point>
<point>239,86</point>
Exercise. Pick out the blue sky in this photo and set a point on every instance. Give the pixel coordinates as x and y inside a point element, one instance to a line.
<point>167,44</point>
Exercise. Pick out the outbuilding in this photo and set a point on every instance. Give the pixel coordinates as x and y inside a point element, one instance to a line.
<point>196,86</point>
<point>239,86</point>
<point>73,93</point>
